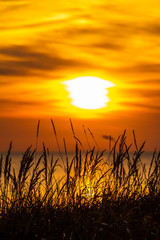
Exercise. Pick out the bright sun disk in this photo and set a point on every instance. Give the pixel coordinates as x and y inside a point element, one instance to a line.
<point>88,92</point>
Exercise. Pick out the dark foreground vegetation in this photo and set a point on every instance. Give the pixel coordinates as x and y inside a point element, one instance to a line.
<point>94,197</point>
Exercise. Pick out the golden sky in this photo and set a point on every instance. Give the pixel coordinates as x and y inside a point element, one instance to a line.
<point>43,43</point>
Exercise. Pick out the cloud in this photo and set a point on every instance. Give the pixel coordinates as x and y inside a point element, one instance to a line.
<point>4,82</point>
<point>11,103</point>
<point>108,137</point>
<point>107,45</point>
<point>12,68</point>
<point>153,28</point>
<point>25,61</point>
<point>140,105</point>
<point>148,93</point>
<point>146,67</point>
<point>141,92</point>
<point>28,106</point>
<point>83,31</point>
<point>147,82</point>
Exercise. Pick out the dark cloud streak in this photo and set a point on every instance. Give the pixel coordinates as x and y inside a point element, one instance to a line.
<point>10,105</point>
<point>107,45</point>
<point>28,60</point>
<point>139,92</point>
<point>11,102</point>
<point>146,67</point>
<point>141,105</point>
<point>148,82</point>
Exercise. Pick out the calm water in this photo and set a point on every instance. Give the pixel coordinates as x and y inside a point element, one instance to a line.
<point>16,158</point>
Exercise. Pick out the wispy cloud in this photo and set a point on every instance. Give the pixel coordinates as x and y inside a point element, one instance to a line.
<point>141,106</point>
<point>11,102</point>
<point>25,60</point>
<point>21,103</point>
<point>148,67</point>
<point>152,82</point>
<point>141,92</point>
<point>27,108</point>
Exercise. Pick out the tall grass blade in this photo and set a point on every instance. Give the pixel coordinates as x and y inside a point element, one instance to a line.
<point>54,129</point>
<point>37,134</point>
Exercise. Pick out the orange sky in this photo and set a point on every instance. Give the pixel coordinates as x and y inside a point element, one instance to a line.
<point>43,43</point>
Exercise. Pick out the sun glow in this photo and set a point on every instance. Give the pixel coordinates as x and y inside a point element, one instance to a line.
<point>88,92</point>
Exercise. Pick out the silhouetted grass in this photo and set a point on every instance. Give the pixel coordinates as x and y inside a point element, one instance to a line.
<point>93,196</point>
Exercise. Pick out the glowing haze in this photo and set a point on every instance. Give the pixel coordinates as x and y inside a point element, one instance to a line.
<point>45,43</point>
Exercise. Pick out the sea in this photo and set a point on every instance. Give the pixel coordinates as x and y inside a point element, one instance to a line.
<point>16,158</point>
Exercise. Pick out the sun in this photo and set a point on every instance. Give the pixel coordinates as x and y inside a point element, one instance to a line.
<point>88,92</point>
